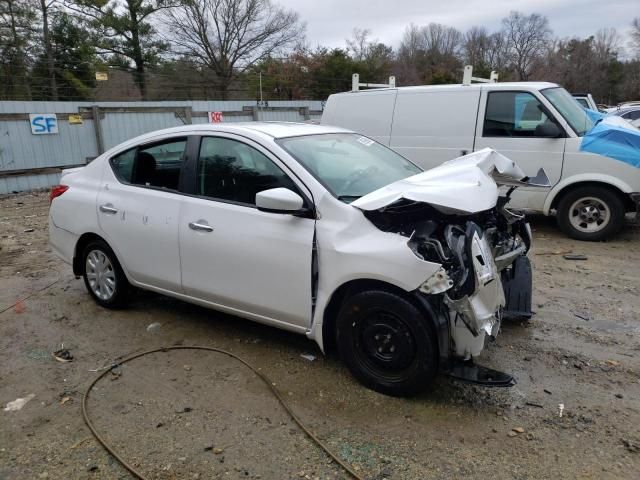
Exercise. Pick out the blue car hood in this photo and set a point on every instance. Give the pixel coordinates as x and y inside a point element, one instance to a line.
<point>615,138</point>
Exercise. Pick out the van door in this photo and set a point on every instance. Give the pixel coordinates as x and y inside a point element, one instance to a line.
<point>520,126</point>
<point>434,124</point>
<point>369,113</point>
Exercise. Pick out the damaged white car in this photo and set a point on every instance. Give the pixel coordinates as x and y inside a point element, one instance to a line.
<point>313,229</point>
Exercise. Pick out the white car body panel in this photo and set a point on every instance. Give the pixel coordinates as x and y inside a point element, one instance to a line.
<point>144,217</point>
<point>266,265</point>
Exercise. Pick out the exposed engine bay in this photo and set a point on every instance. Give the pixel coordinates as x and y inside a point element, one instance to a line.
<point>455,216</point>
<point>476,251</point>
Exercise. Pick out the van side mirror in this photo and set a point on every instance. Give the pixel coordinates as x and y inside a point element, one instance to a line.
<point>548,130</point>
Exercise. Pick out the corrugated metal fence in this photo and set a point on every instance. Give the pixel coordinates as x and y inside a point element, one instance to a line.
<point>84,130</point>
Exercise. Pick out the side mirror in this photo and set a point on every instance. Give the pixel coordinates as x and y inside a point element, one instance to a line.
<point>279,200</point>
<point>548,130</point>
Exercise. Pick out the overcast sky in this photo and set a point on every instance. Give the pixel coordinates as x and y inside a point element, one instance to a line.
<point>329,22</point>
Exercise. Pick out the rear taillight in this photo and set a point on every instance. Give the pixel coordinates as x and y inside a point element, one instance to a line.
<point>57,191</point>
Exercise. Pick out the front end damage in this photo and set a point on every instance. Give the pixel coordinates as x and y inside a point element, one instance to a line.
<point>480,245</point>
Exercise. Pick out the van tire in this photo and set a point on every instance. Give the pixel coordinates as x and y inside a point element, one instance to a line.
<point>591,213</point>
<point>386,343</point>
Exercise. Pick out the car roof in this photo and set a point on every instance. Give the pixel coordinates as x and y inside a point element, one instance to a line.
<point>624,110</point>
<point>271,129</point>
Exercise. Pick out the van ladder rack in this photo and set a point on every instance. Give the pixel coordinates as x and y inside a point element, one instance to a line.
<point>468,76</point>
<point>355,83</point>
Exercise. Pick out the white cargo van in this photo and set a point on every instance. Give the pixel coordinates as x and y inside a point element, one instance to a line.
<point>536,124</point>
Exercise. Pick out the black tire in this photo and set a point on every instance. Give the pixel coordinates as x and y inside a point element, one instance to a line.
<point>606,203</point>
<point>121,287</point>
<point>387,343</point>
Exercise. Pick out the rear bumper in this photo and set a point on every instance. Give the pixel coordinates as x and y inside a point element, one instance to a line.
<point>62,242</point>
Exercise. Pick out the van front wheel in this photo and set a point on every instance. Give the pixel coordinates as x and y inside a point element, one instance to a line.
<point>591,213</point>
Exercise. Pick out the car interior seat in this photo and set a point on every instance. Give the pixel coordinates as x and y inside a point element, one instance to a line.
<point>145,169</point>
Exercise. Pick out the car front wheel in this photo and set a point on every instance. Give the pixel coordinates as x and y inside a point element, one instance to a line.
<point>103,276</point>
<point>387,343</point>
<point>591,213</point>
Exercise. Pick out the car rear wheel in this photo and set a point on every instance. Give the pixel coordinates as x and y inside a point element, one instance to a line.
<point>103,276</point>
<point>591,213</point>
<point>387,343</point>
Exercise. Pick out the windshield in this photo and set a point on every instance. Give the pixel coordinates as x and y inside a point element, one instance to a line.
<point>572,112</point>
<point>347,164</point>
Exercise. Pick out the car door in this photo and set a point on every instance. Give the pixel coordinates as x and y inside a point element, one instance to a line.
<point>234,255</point>
<point>138,211</point>
<point>511,122</point>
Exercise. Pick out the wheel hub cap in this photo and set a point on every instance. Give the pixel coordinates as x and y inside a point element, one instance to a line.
<point>386,341</point>
<point>589,215</point>
<point>100,275</point>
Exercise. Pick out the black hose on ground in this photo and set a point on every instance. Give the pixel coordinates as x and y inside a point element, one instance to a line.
<point>261,375</point>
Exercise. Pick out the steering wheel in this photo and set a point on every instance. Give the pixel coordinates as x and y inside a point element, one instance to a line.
<point>356,176</point>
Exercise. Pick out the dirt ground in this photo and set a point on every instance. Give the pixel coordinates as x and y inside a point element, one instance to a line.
<point>190,414</point>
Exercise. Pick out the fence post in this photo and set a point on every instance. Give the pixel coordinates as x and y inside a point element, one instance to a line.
<point>97,128</point>
<point>187,115</point>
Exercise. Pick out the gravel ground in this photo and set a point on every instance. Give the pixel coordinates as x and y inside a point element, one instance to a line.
<point>190,414</point>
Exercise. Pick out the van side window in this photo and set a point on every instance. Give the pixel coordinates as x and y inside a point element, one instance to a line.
<point>513,114</point>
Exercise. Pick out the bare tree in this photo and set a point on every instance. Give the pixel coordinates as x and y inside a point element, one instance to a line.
<point>635,35</point>
<point>229,36</point>
<point>607,42</point>
<point>528,37</point>
<point>441,40</point>
<point>359,43</point>
<point>475,45</point>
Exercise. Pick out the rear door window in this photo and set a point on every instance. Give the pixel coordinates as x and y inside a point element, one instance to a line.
<point>156,165</point>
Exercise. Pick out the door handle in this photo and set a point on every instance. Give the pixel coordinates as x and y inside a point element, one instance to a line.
<point>201,227</point>
<point>108,208</point>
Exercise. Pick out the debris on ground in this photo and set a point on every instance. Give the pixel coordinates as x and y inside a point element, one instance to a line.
<point>154,327</point>
<point>19,307</point>
<point>63,355</point>
<point>582,315</point>
<point>65,400</point>
<point>560,409</point>
<point>574,256</point>
<point>308,356</point>
<point>630,445</point>
<point>18,403</point>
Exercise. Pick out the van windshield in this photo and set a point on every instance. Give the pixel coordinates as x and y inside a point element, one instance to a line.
<point>347,164</point>
<point>572,112</point>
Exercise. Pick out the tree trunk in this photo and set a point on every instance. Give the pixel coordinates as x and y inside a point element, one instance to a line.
<point>51,70</point>
<point>138,58</point>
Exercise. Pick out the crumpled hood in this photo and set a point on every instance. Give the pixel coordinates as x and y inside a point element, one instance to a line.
<point>467,184</point>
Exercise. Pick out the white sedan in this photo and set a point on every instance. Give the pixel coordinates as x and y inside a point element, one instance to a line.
<point>309,228</point>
